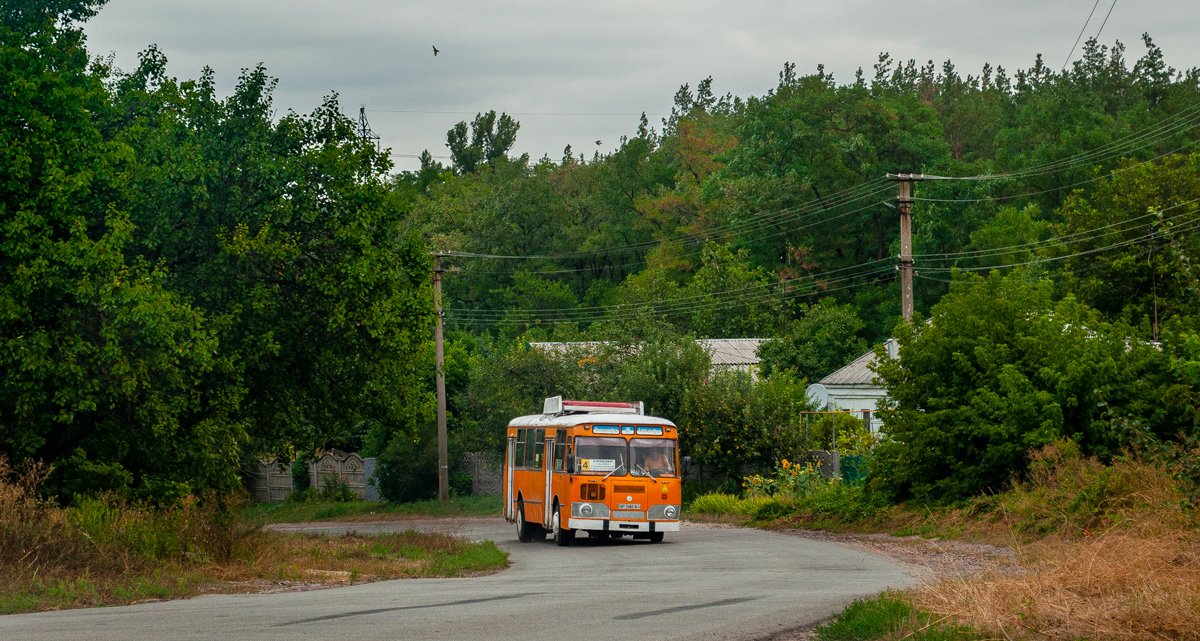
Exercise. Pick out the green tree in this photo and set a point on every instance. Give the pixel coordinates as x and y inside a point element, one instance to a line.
<point>1001,369</point>
<point>660,367</point>
<point>733,422</point>
<point>730,299</point>
<point>288,234</point>
<point>824,338</point>
<point>104,367</point>
<point>490,138</point>
<point>1132,238</point>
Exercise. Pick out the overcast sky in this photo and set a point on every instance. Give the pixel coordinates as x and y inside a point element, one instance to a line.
<point>577,72</point>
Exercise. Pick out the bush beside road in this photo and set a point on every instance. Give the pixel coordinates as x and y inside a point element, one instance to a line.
<point>300,512</point>
<point>110,551</point>
<point>1098,552</point>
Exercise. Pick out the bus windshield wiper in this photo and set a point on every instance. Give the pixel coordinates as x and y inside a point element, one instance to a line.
<point>645,471</point>
<point>619,467</point>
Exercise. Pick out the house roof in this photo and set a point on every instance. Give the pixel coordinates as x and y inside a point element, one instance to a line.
<point>732,351</point>
<point>724,351</point>
<point>858,371</point>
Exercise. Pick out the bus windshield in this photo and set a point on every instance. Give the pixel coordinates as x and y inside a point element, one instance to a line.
<point>600,455</point>
<point>652,457</point>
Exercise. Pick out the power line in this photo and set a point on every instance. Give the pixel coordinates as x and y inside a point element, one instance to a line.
<point>1110,9</point>
<point>1045,191</point>
<point>1189,118</point>
<point>1081,30</point>
<point>782,216</point>
<point>519,113</point>
<point>761,293</point>
<point>649,309</point>
<point>1124,243</point>
<point>1181,122</point>
<point>996,251</point>
<point>683,300</point>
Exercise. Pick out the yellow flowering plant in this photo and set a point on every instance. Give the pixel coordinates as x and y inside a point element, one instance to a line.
<point>788,480</point>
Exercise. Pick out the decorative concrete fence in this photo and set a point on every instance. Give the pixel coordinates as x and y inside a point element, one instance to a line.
<point>486,471</point>
<point>350,468</point>
<point>270,481</point>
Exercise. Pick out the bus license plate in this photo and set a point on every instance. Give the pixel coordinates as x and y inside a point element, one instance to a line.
<point>629,506</point>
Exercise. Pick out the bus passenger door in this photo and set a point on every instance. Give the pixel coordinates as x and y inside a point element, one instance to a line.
<point>510,461</point>
<point>548,496</point>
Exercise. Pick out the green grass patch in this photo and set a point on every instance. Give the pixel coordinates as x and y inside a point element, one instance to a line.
<point>889,617</point>
<point>825,503</point>
<point>327,511</point>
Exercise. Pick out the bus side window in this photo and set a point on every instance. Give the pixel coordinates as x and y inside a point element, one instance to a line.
<point>520,459</point>
<point>539,449</point>
<point>560,449</point>
<point>529,451</point>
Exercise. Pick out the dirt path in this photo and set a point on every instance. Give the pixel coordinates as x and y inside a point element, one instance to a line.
<point>929,559</point>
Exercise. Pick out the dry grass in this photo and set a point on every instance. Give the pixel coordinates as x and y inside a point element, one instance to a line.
<point>1118,557</point>
<point>109,551</point>
<point>1108,586</point>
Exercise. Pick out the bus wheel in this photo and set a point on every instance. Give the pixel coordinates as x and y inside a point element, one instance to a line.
<point>562,536</point>
<point>524,530</point>
<point>656,537</point>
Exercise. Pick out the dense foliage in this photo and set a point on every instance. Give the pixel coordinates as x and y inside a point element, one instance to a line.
<point>187,280</point>
<point>1002,369</point>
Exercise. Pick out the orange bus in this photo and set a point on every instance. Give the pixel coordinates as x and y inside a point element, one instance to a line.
<point>605,469</point>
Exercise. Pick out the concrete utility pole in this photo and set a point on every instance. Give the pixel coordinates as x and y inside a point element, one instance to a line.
<point>904,205</point>
<point>443,450</point>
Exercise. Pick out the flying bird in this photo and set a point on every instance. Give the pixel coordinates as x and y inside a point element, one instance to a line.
<point>598,142</point>
<point>435,51</point>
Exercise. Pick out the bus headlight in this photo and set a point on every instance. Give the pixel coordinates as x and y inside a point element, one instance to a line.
<point>590,510</point>
<point>663,513</point>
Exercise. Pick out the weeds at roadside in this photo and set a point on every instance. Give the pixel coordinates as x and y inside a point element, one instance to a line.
<point>264,513</point>
<point>891,617</point>
<point>108,550</point>
<point>1103,551</point>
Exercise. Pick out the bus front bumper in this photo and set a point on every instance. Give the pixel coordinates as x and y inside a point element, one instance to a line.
<point>608,525</point>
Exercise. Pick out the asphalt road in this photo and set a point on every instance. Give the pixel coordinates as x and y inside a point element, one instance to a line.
<point>701,583</point>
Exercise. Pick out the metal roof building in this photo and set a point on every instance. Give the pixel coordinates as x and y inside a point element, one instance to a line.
<point>726,353</point>
<point>854,388</point>
<point>733,353</point>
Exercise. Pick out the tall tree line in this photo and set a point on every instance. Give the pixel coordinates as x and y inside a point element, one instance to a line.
<point>188,280</point>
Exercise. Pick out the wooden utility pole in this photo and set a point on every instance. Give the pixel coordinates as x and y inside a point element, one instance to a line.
<point>904,205</point>
<point>443,449</point>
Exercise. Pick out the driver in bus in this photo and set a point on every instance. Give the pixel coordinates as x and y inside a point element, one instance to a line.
<point>657,462</point>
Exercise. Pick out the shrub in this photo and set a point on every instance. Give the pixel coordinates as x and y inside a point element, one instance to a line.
<point>800,489</point>
<point>733,421</point>
<point>407,470</point>
<point>789,480</point>
<point>307,495</point>
<point>1072,494</point>
<point>337,489</point>
<point>1002,369</point>
<point>853,436</point>
<point>714,504</point>
<point>107,533</point>
<point>300,478</point>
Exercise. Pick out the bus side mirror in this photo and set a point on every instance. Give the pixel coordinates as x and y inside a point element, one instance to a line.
<point>687,465</point>
<point>570,464</point>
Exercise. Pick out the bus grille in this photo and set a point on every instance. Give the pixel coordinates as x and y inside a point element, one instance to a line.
<point>591,492</point>
<point>628,514</point>
<point>629,489</point>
